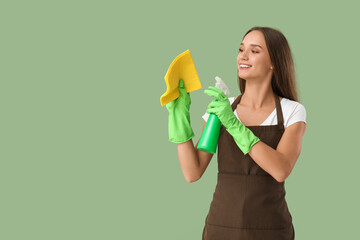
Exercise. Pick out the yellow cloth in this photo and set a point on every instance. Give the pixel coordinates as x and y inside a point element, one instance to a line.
<point>181,68</point>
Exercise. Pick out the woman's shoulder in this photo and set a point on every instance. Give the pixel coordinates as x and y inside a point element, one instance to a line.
<point>293,111</point>
<point>291,104</point>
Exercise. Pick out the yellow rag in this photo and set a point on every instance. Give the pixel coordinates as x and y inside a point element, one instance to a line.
<point>181,68</point>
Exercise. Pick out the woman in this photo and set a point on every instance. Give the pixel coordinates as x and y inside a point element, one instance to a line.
<point>259,143</point>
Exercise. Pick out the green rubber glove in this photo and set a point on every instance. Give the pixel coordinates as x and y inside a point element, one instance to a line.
<point>242,135</point>
<point>179,117</point>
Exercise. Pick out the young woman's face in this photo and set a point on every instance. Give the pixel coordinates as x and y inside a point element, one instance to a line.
<point>254,53</point>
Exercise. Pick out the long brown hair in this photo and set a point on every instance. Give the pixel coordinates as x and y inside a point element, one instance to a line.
<point>283,80</point>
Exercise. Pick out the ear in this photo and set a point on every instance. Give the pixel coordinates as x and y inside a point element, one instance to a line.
<point>271,67</point>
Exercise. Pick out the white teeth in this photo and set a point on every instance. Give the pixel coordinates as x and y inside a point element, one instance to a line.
<point>241,65</point>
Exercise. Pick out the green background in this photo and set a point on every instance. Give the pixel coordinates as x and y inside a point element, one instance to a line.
<point>84,142</point>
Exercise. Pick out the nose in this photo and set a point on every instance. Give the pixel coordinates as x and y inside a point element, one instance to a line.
<point>243,55</point>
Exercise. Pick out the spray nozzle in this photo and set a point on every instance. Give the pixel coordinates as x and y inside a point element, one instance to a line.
<point>221,85</point>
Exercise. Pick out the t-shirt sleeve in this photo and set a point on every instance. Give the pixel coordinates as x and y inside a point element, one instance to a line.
<point>205,116</point>
<point>299,114</point>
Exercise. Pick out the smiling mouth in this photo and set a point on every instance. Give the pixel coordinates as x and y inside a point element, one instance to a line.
<point>243,66</point>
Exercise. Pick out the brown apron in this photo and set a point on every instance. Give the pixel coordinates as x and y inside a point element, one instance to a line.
<point>248,203</point>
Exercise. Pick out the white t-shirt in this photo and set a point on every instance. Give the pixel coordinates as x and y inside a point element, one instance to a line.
<point>292,112</point>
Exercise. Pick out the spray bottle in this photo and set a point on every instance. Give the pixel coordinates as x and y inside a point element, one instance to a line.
<point>210,136</point>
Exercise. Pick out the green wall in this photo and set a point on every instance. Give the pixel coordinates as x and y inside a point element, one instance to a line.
<point>84,142</point>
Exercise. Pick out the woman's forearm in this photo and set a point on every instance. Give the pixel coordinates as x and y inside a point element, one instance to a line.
<point>189,161</point>
<point>270,160</point>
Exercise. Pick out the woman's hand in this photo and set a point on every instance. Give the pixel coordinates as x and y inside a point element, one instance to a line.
<point>243,136</point>
<point>179,117</point>
<point>220,107</point>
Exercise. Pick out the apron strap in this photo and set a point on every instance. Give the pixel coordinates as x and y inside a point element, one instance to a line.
<point>279,113</point>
